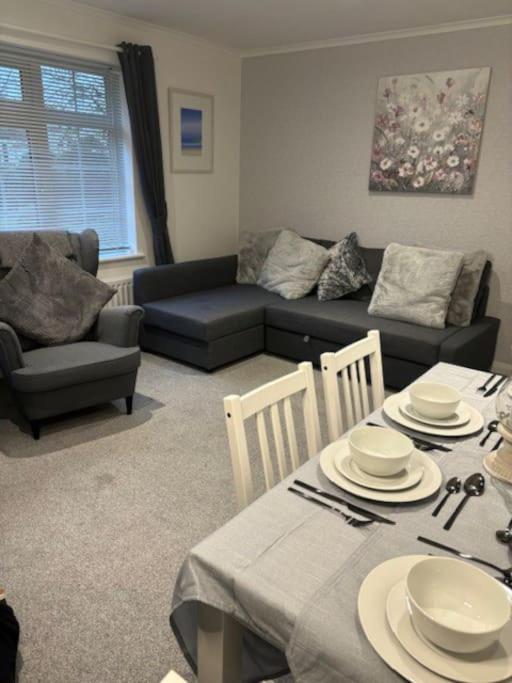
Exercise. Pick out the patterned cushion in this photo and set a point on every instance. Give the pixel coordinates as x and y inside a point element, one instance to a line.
<point>415,285</point>
<point>346,272</point>
<point>462,303</point>
<point>293,266</point>
<point>50,299</point>
<point>252,251</point>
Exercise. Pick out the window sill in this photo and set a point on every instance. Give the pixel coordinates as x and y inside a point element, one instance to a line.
<point>122,257</point>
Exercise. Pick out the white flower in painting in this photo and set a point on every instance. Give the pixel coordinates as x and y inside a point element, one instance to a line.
<point>405,170</point>
<point>448,149</point>
<point>413,151</point>
<point>438,151</point>
<point>439,135</point>
<point>453,161</point>
<point>399,141</point>
<point>385,164</point>
<point>418,182</point>
<point>420,167</point>
<point>455,117</point>
<point>422,125</point>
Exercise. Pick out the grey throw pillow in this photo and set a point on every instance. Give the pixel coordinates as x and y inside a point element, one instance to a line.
<point>253,249</point>
<point>415,284</point>
<point>460,311</point>
<point>346,271</point>
<point>50,299</point>
<point>293,266</point>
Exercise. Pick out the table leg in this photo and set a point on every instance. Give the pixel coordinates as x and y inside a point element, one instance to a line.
<point>219,646</point>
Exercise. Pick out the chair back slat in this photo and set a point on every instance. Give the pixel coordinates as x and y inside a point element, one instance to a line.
<point>348,367</point>
<point>291,433</point>
<point>275,397</point>
<point>268,470</point>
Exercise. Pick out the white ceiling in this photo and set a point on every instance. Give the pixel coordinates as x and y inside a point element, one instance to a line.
<point>253,24</point>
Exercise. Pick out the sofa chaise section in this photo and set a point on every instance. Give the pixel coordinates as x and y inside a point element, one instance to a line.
<point>200,315</point>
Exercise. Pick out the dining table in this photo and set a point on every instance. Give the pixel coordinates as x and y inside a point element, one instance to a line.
<point>276,588</point>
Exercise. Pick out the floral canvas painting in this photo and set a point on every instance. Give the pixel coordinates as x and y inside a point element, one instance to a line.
<point>427,131</point>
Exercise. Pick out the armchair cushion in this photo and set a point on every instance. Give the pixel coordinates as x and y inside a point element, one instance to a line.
<point>48,298</point>
<point>55,367</point>
<point>119,326</point>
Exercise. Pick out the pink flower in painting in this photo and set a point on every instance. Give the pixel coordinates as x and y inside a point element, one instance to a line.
<point>468,163</point>
<point>418,182</point>
<point>440,174</point>
<point>406,170</point>
<point>378,176</point>
<point>475,125</point>
<point>430,164</point>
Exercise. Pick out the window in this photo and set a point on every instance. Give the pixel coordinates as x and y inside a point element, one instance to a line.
<point>64,149</point>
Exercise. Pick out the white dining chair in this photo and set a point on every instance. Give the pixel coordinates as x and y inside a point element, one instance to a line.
<point>274,396</point>
<point>344,373</point>
<point>173,677</point>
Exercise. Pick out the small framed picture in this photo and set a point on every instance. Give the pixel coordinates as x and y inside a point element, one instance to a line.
<point>191,131</point>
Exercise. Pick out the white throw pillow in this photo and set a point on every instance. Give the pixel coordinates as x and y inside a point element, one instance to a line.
<point>415,284</point>
<point>293,266</point>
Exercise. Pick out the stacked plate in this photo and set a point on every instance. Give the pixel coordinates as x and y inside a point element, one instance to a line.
<point>434,409</point>
<point>419,479</point>
<point>387,620</point>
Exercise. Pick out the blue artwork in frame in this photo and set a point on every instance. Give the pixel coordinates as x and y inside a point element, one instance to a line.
<point>191,128</point>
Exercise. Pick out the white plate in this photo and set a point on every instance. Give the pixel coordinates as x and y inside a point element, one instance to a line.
<point>371,607</point>
<point>391,408</point>
<point>489,666</point>
<point>429,484</point>
<point>461,416</point>
<point>409,476</point>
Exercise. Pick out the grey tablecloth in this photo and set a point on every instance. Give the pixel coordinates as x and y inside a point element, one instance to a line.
<point>290,572</point>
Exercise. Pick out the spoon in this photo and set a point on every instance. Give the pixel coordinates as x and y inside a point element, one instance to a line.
<point>505,535</point>
<point>453,485</point>
<point>473,486</point>
<point>491,427</point>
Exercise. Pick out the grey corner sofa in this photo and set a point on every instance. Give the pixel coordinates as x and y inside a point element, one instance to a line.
<point>196,312</point>
<point>48,381</point>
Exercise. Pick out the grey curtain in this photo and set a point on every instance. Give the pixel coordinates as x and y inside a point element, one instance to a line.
<point>138,70</point>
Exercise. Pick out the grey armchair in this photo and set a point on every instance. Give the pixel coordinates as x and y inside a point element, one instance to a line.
<point>49,381</point>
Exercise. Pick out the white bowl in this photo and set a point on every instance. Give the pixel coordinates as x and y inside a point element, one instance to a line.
<point>434,400</point>
<point>455,605</point>
<point>380,451</point>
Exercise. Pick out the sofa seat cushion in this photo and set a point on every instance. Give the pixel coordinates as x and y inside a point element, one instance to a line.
<point>210,314</point>
<point>344,321</point>
<point>54,367</point>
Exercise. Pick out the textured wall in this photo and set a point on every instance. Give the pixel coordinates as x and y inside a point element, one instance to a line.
<point>307,122</point>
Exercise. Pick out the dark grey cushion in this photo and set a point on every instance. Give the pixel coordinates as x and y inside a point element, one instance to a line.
<point>211,314</point>
<point>346,271</point>
<point>70,364</point>
<point>14,242</point>
<point>344,321</point>
<point>253,248</point>
<point>50,299</point>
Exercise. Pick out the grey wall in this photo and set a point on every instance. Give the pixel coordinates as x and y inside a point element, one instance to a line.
<point>307,121</point>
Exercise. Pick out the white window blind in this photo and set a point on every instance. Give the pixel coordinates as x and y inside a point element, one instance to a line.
<point>64,148</point>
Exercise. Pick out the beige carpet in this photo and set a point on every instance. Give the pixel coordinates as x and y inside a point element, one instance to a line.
<point>97,516</point>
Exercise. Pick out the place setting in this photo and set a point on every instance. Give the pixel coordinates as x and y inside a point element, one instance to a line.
<point>381,464</point>
<point>435,409</point>
<point>435,618</point>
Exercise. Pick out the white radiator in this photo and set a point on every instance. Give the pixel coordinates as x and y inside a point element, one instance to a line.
<point>124,293</point>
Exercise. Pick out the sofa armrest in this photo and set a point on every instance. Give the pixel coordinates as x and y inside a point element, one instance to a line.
<point>472,346</point>
<point>11,355</point>
<point>162,282</point>
<point>119,326</point>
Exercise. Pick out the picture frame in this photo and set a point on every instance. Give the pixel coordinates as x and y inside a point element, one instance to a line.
<point>191,131</point>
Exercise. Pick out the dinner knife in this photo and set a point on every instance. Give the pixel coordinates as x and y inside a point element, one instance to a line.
<point>341,501</point>
<point>494,387</point>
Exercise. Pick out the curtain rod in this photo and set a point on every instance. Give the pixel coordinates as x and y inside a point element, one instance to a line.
<point>11,27</point>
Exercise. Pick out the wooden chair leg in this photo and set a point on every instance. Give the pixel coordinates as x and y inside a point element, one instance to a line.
<point>129,405</point>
